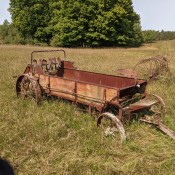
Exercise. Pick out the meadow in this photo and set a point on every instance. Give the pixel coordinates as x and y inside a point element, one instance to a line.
<point>55,138</point>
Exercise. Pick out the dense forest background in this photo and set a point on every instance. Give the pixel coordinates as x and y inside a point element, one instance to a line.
<point>77,23</point>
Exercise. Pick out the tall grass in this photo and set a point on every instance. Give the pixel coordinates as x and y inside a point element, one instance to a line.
<point>57,138</point>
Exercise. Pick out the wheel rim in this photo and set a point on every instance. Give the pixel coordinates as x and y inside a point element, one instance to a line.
<point>152,68</point>
<point>147,69</point>
<point>160,106</point>
<point>111,126</point>
<point>156,111</point>
<point>28,88</point>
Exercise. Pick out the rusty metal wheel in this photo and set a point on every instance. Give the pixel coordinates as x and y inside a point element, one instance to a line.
<point>151,68</point>
<point>147,69</point>
<point>156,111</point>
<point>159,107</point>
<point>111,126</point>
<point>28,87</point>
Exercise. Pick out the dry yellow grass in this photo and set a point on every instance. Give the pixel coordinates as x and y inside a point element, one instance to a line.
<point>55,138</point>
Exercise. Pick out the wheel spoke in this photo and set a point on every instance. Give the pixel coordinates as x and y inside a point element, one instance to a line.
<point>111,126</point>
<point>27,88</point>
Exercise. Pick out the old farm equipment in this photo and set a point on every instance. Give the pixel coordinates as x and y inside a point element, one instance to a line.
<point>148,69</point>
<point>116,99</point>
<point>152,68</point>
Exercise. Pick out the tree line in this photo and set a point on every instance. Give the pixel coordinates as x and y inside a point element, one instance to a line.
<point>76,23</point>
<point>152,35</point>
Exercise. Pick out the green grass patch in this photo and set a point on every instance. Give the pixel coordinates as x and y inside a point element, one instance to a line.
<point>57,138</point>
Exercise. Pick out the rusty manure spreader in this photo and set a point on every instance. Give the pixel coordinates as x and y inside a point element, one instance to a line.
<point>116,99</point>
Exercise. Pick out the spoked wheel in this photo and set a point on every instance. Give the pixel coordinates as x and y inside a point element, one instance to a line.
<point>27,87</point>
<point>147,69</point>
<point>111,126</point>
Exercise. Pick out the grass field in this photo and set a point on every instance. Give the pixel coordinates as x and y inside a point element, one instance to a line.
<point>56,138</point>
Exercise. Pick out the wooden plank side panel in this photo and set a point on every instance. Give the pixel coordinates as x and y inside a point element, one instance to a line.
<point>89,93</point>
<point>62,88</point>
<point>111,94</point>
<point>86,93</point>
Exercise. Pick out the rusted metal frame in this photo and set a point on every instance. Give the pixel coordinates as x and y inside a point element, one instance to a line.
<point>27,70</point>
<point>40,51</point>
<point>101,73</point>
<point>127,91</point>
<point>62,91</point>
<point>131,99</point>
<point>118,105</point>
<point>126,109</point>
<point>118,92</point>
<point>84,82</point>
<point>32,55</point>
<point>107,77</point>
<point>75,93</point>
<point>159,125</point>
<point>131,86</point>
<point>103,101</point>
<point>148,106</point>
<point>136,108</point>
<point>166,130</point>
<point>98,107</point>
<point>120,111</point>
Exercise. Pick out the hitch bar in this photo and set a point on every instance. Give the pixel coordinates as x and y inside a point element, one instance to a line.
<point>159,125</point>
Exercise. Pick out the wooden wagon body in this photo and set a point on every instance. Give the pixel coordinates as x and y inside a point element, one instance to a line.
<point>102,92</point>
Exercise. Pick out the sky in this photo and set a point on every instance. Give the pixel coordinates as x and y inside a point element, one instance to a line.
<point>4,14</point>
<point>154,14</point>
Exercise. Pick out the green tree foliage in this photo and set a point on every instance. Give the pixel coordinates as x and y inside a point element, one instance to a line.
<point>31,18</point>
<point>78,22</point>
<point>149,36</point>
<point>152,35</point>
<point>10,35</point>
<point>165,35</point>
<point>95,23</point>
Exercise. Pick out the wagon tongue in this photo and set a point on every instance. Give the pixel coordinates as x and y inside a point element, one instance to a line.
<point>166,130</point>
<point>159,125</point>
<point>153,120</point>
